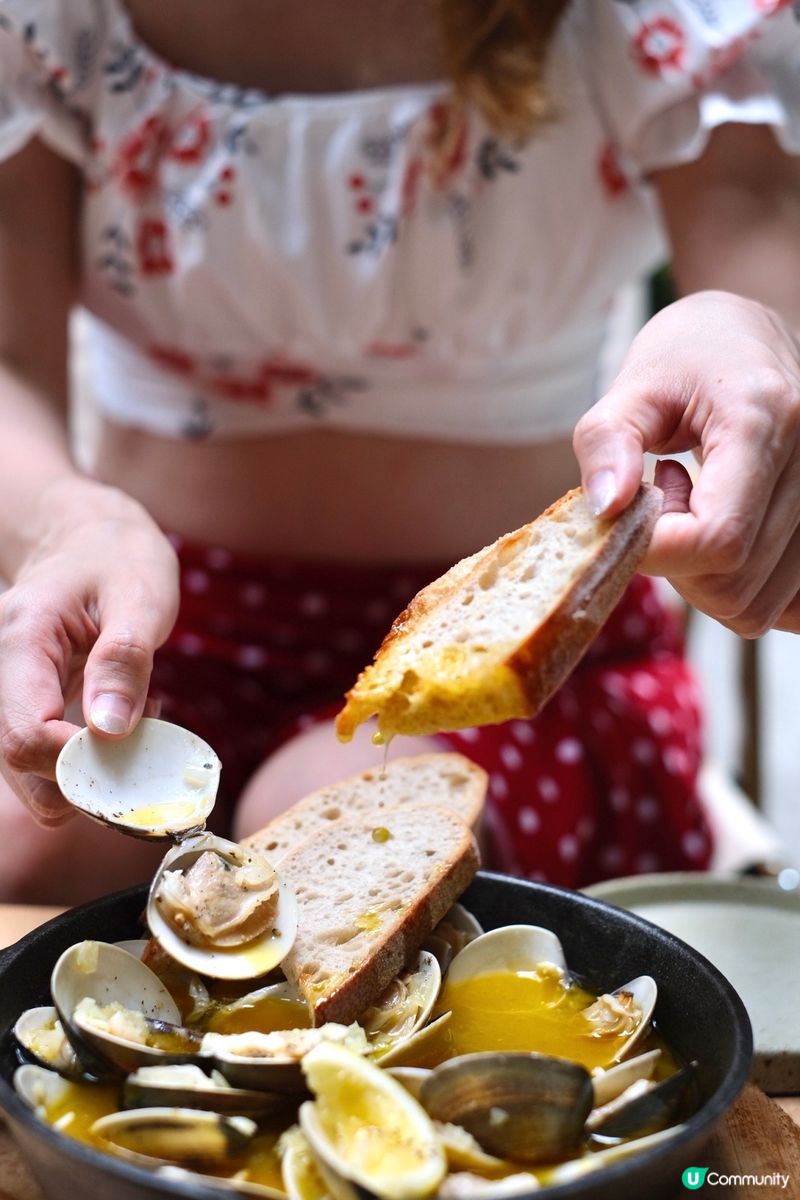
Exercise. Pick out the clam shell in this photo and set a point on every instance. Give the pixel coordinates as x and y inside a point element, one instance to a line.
<point>254,957</point>
<point>158,782</point>
<point>510,948</point>
<point>109,975</point>
<point>367,1129</point>
<point>609,1084</point>
<point>187,1086</point>
<point>651,1109</point>
<point>38,1087</point>
<point>403,1008</point>
<point>182,1135</point>
<point>273,1061</point>
<point>642,993</point>
<point>524,1107</point>
<point>42,1040</point>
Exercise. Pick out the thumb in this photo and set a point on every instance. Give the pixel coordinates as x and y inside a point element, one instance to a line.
<point>610,441</point>
<point>118,669</point>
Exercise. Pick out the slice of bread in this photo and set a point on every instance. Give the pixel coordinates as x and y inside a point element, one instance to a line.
<point>368,896</point>
<point>494,637</point>
<point>445,779</point>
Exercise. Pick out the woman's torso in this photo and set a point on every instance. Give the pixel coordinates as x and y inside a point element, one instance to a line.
<point>313,491</point>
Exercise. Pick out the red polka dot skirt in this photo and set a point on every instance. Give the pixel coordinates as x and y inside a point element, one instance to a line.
<point>602,783</point>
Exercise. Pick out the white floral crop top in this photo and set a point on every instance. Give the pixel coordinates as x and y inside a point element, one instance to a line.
<point>256,263</point>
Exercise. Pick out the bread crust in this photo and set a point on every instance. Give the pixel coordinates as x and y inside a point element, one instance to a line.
<point>519,683</point>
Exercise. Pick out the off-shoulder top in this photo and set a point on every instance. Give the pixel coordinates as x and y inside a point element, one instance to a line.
<point>255,263</point>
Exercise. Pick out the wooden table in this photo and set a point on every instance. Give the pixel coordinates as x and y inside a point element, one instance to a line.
<point>759,1137</point>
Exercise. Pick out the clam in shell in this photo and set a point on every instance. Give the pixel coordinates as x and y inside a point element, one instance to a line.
<point>625,1012</point>
<point>403,1009</point>
<point>41,1037</point>
<point>185,1085</point>
<point>108,1003</point>
<point>510,948</point>
<point>524,1107</point>
<point>158,782</point>
<point>221,910</point>
<point>367,1129</point>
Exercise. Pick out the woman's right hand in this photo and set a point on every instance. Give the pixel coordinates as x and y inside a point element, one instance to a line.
<point>90,604</point>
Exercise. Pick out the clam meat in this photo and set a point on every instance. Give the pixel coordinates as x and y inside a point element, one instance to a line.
<point>221,910</point>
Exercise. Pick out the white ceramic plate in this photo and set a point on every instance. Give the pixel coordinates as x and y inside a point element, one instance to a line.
<point>750,930</point>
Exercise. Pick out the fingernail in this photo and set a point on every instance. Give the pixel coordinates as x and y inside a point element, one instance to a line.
<point>111,713</point>
<point>602,489</point>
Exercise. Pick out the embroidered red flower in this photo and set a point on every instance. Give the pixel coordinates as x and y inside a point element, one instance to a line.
<point>173,358</point>
<point>660,45</point>
<point>139,155</point>
<point>191,139</point>
<point>611,174</point>
<point>153,247</point>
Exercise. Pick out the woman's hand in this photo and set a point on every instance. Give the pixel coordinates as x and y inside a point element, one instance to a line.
<point>88,607</point>
<point>719,375</point>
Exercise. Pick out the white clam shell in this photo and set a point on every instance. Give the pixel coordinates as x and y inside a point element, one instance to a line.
<point>403,1009</point>
<point>609,1084</point>
<point>252,958</point>
<point>108,975</point>
<point>158,782</point>
<point>510,948</point>
<point>644,991</point>
<point>42,1038</point>
<point>38,1087</point>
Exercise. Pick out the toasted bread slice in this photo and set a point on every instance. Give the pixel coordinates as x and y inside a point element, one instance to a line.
<point>447,780</point>
<point>495,636</point>
<point>369,894</point>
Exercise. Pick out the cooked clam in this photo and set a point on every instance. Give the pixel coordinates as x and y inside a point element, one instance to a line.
<point>402,1009</point>
<point>626,1013</point>
<point>186,1085</point>
<point>158,782</point>
<point>301,1175</point>
<point>41,1037</point>
<point>524,1107</point>
<point>180,1135</point>
<point>221,910</point>
<point>112,1007</point>
<point>511,948</point>
<point>463,1185</point>
<point>610,1083</point>
<point>273,1061</point>
<point>649,1110</point>
<point>367,1129</point>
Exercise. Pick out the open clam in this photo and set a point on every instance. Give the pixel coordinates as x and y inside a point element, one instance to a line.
<point>42,1040</point>
<point>116,1013</point>
<point>273,1061</point>
<point>221,910</point>
<point>158,782</point>
<point>625,1013</point>
<point>511,948</point>
<point>399,1015</point>
<point>367,1129</point>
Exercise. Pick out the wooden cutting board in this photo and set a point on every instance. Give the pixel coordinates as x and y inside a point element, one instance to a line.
<point>757,1138</point>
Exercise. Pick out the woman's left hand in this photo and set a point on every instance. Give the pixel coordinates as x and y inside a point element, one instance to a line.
<point>719,375</point>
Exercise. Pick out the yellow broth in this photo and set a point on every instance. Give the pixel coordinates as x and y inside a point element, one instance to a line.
<point>264,1015</point>
<point>538,1011</point>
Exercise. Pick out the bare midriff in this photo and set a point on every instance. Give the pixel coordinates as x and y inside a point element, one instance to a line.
<point>344,496</point>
